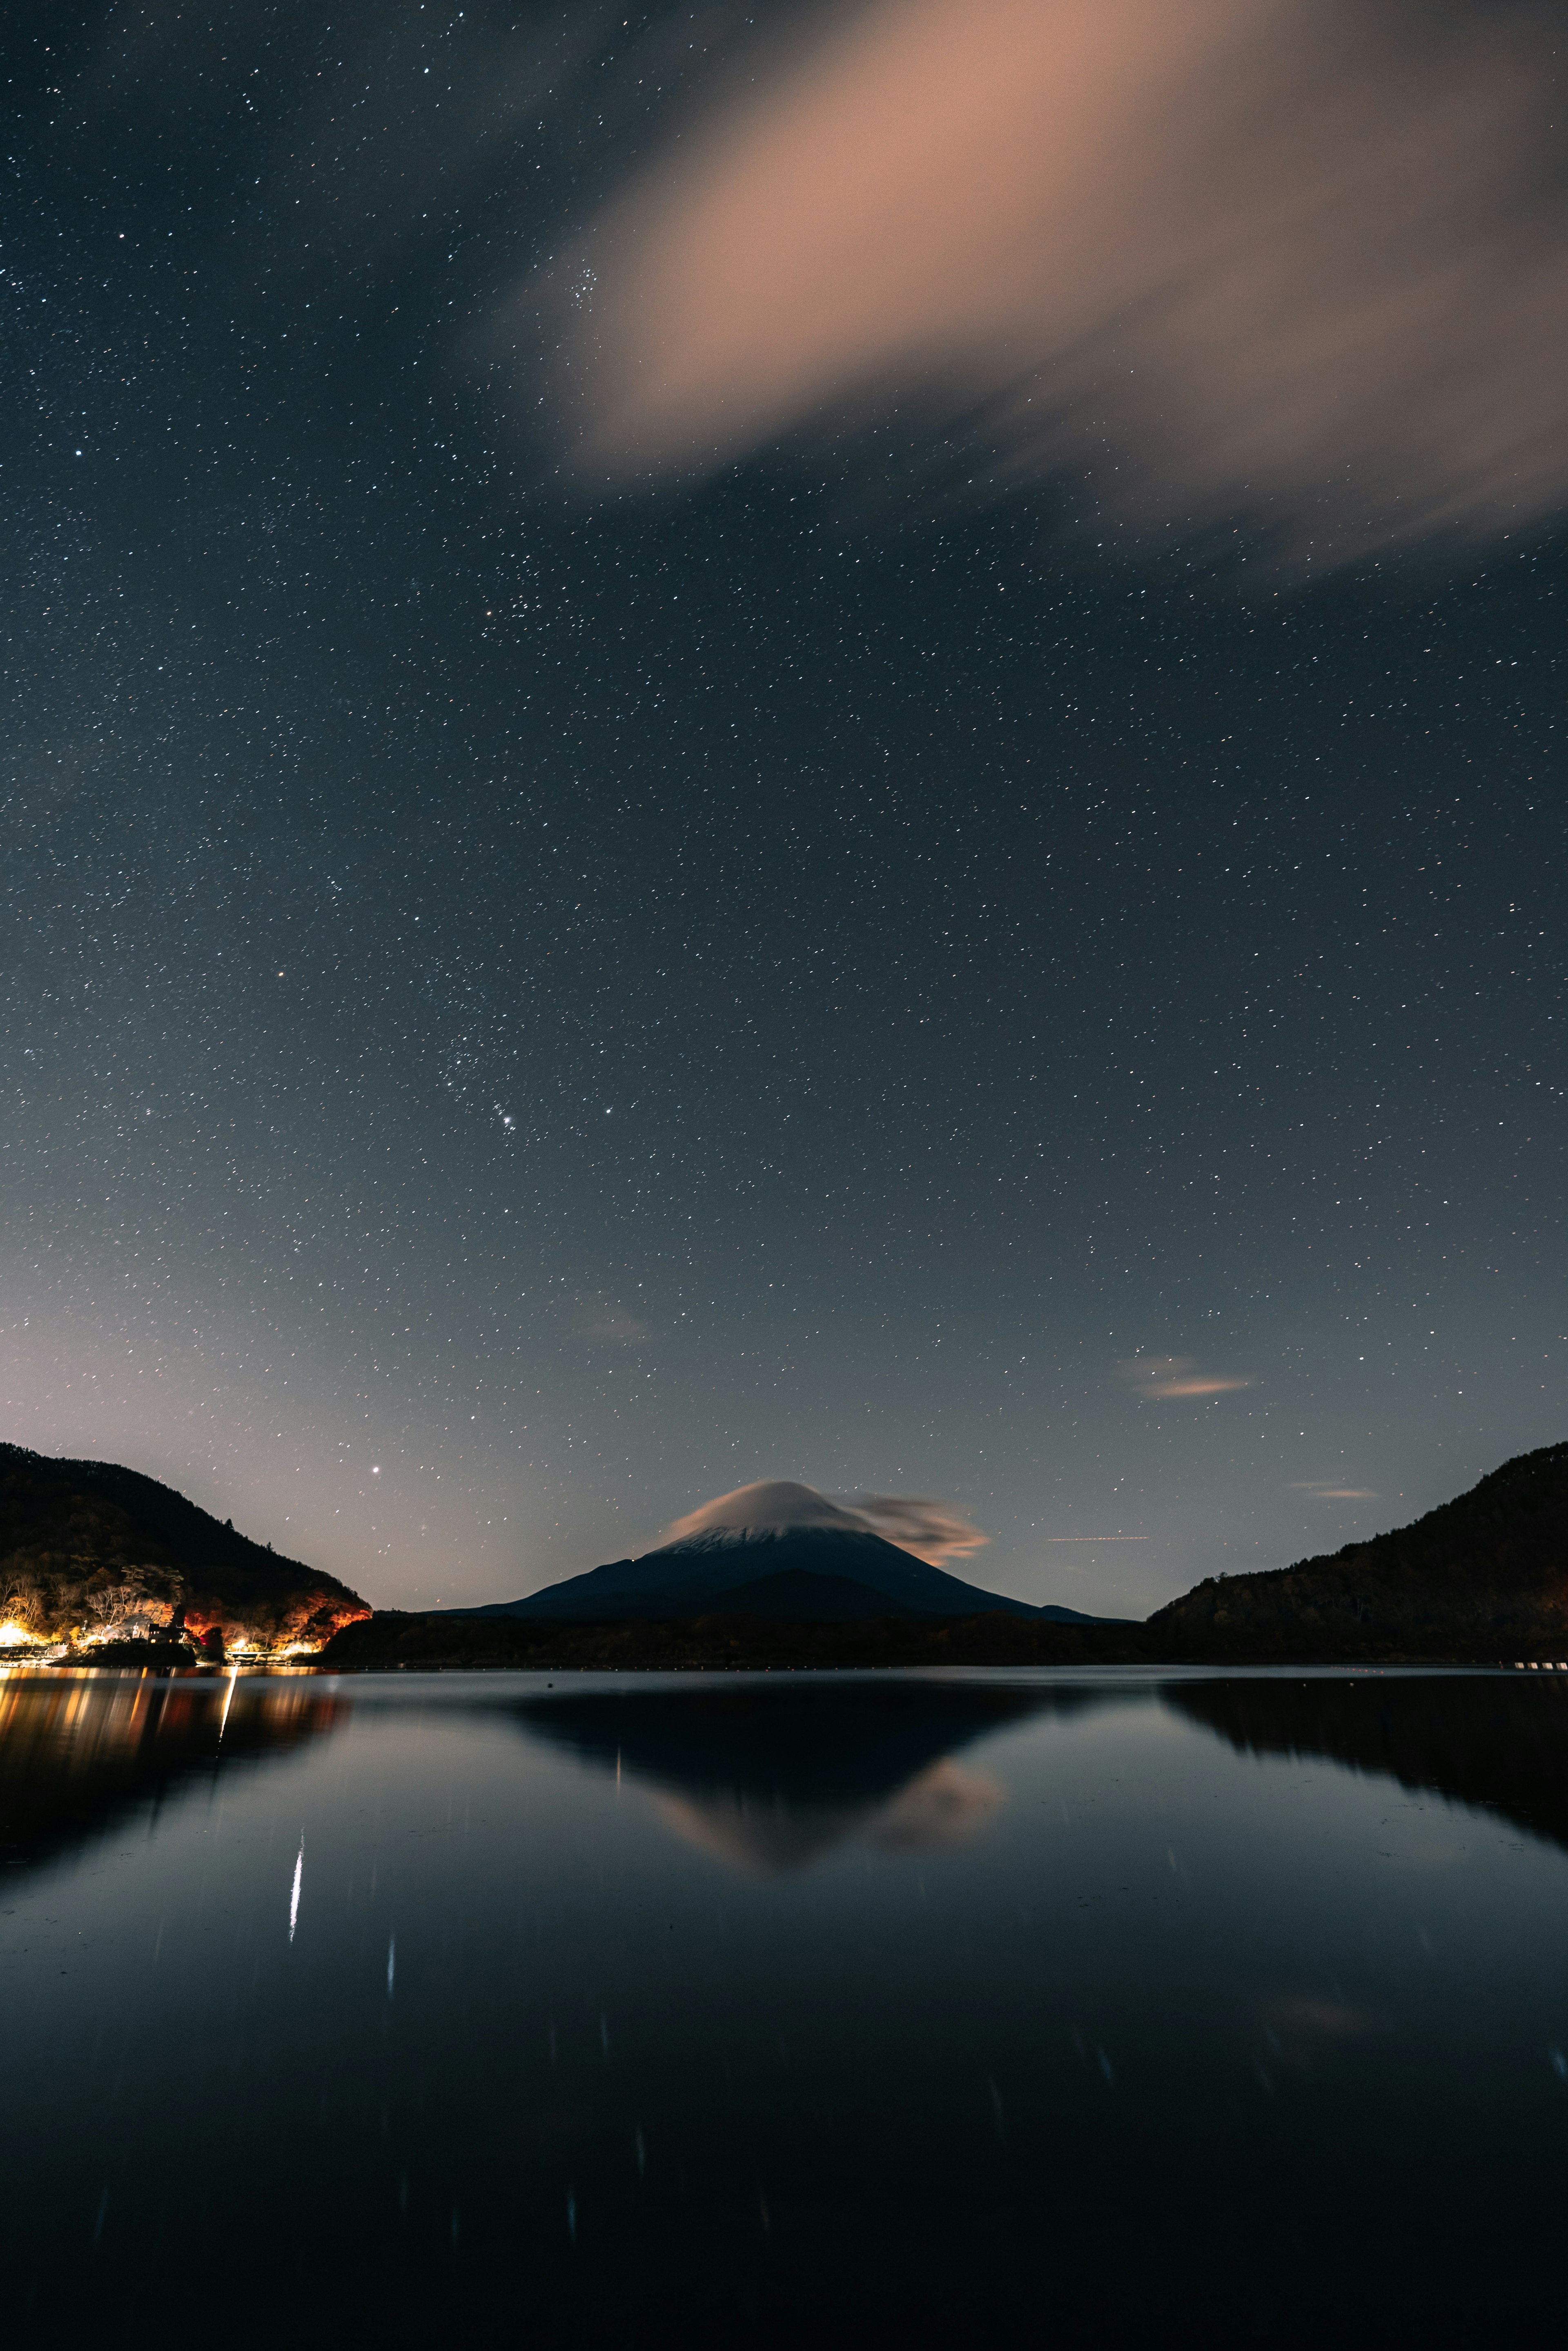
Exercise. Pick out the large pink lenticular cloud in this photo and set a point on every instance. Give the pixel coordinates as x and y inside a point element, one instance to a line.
<point>1285,260</point>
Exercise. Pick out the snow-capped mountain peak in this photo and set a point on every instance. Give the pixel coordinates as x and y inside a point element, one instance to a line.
<point>770,1505</point>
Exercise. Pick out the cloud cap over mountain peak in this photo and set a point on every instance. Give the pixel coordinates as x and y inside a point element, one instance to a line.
<point>774,1503</point>
<point>932,1531</point>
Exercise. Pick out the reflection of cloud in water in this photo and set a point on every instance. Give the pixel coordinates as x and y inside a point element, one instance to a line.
<point>77,1753</point>
<point>750,1836</point>
<point>945,1805</point>
<point>770,1777</point>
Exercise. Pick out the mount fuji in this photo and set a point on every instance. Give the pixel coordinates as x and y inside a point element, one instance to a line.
<point>773,1549</point>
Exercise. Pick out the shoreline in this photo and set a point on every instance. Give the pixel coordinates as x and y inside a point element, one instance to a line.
<point>391,1643</point>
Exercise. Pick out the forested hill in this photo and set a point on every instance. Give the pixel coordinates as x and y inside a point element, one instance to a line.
<point>1485,1572</point>
<point>85,1544</point>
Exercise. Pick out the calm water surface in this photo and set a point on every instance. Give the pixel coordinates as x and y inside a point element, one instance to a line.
<point>800,2008</point>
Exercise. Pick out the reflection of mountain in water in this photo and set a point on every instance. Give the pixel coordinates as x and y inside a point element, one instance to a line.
<point>1498,1741</point>
<point>75,1755</point>
<point>770,1775</point>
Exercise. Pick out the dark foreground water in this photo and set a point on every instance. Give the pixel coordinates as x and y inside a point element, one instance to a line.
<point>990,2008</point>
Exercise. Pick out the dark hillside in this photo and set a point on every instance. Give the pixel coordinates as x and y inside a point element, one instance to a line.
<point>1484,1575</point>
<point>84,1544</point>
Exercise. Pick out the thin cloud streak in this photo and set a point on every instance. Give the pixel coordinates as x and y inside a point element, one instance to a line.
<point>1253,259</point>
<point>1160,1378</point>
<point>1197,1386</point>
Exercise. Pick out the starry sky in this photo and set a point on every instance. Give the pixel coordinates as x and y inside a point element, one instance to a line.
<point>533,996</point>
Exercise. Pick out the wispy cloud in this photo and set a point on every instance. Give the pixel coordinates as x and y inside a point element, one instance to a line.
<point>607,1325</point>
<point>1289,261</point>
<point>1322,1490</point>
<point>1160,1378</point>
<point>935,1531</point>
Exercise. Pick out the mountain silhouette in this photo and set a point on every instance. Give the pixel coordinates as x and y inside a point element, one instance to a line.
<point>783,1551</point>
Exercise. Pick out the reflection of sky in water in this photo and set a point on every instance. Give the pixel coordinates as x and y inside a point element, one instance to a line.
<point>791,2007</point>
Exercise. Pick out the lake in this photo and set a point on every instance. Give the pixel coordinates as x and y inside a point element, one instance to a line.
<point>653,2009</point>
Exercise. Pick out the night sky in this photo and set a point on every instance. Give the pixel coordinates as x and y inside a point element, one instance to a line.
<point>532,997</point>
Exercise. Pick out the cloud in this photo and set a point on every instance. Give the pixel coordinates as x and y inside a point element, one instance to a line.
<point>1322,1490</point>
<point>606,1325</point>
<point>1288,262</point>
<point>775,1502</point>
<point>935,1531</point>
<point>1158,1378</point>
